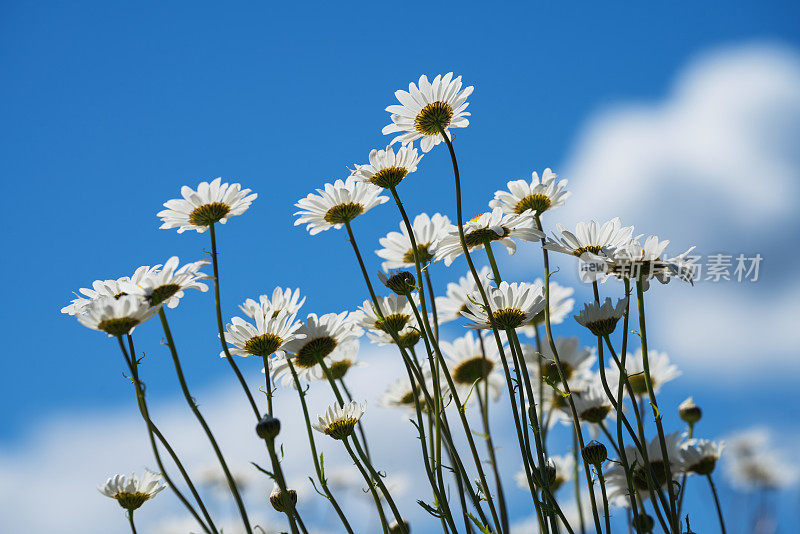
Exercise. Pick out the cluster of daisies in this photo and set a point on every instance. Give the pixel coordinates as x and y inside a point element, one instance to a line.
<point>572,384</point>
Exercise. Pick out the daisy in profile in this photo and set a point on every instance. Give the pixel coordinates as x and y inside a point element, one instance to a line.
<point>408,337</point>
<point>339,421</point>
<point>400,394</point>
<point>318,337</point>
<point>387,169</point>
<point>591,237</point>
<point>281,300</point>
<point>754,465</point>
<point>661,371</point>
<point>471,367</point>
<point>133,492</point>
<point>397,249</point>
<point>337,204</point>
<point>601,319</point>
<point>539,196</point>
<point>100,289</point>
<point>397,314</point>
<point>576,362</point>
<point>617,482</point>
<point>699,456</point>
<point>267,336</point>
<point>117,316</point>
<point>280,502</point>
<point>213,202</point>
<point>513,305</point>
<point>427,109</point>
<point>592,405</point>
<point>166,284</point>
<point>635,260</point>
<point>449,307</point>
<point>487,228</point>
<point>560,306</point>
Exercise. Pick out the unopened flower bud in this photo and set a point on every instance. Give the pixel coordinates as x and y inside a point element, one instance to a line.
<point>690,413</point>
<point>280,501</point>
<point>397,528</point>
<point>595,453</point>
<point>643,523</point>
<point>268,428</point>
<point>401,282</point>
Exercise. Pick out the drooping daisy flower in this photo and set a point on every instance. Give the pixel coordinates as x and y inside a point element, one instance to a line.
<point>282,300</point>
<point>213,202</point>
<point>469,368</point>
<point>576,362</point>
<point>616,479</point>
<point>661,371</point>
<point>426,110</point>
<point>339,421</point>
<point>590,237</point>
<point>634,259</point>
<point>397,249</point>
<point>449,308</point>
<point>267,336</point>
<point>601,319</point>
<point>513,305</point>
<point>486,228</point>
<point>166,284</point>
<point>387,169</point>
<point>560,306</point>
<point>117,316</point>
<point>700,455</point>
<point>337,204</point>
<point>559,471</point>
<point>132,492</point>
<point>540,195</point>
<point>100,289</point>
<point>397,313</point>
<point>320,337</point>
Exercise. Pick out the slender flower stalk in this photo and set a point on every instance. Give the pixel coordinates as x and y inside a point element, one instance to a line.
<point>130,520</point>
<point>606,512</point>
<point>370,485</point>
<point>716,503</point>
<point>196,411</point>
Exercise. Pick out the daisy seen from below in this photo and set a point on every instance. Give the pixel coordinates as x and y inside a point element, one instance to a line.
<point>132,492</point>
<point>470,366</point>
<point>166,284</point>
<point>485,229</point>
<point>661,371</point>
<point>449,307</point>
<point>636,260</point>
<point>343,358</point>
<point>339,421</point>
<point>281,300</point>
<point>387,169</point>
<point>400,394</point>
<point>592,405</point>
<point>560,306</point>
<point>512,306</point>
<point>601,319</point>
<point>397,250</point>
<point>267,336</point>
<point>213,202</point>
<point>427,109</point>
<point>337,204</point>
<point>539,196</point>
<point>699,456</point>
<point>100,289</point>
<point>397,314</point>
<point>117,316</point>
<point>590,237</point>
<point>616,478</point>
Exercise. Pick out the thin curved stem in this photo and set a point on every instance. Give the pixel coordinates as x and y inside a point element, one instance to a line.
<point>716,503</point>
<point>602,480</point>
<point>370,485</point>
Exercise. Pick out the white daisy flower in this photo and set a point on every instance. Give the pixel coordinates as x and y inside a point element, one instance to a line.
<point>397,249</point>
<point>321,336</point>
<point>700,455</point>
<point>166,284</point>
<point>590,237</point>
<point>540,195</point>
<point>634,259</point>
<point>470,369</point>
<point>387,169</point>
<point>486,228</point>
<point>339,421</point>
<point>753,465</point>
<point>426,108</point>
<point>449,308</point>
<point>132,492</point>
<point>281,300</point>
<point>397,314</point>
<point>211,203</point>
<point>560,306</point>
<point>616,480</point>
<point>267,336</point>
<point>576,362</point>
<point>100,289</point>
<point>337,204</point>
<point>592,404</point>
<point>661,371</point>
<point>601,319</point>
<point>117,316</point>
<point>400,394</point>
<point>513,305</point>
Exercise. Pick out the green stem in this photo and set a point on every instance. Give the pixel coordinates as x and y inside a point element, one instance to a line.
<point>268,383</point>
<point>576,453</point>
<point>602,480</point>
<point>130,520</point>
<point>360,427</point>
<point>200,419</point>
<point>716,503</point>
<point>290,508</point>
<point>221,326</point>
<point>370,485</point>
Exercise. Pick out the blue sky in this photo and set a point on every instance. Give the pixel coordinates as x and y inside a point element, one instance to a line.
<point>108,110</point>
